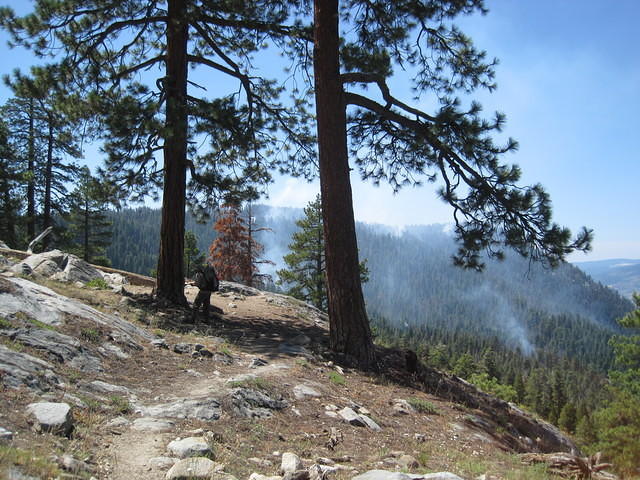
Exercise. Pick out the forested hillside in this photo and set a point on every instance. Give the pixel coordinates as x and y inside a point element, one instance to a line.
<point>414,285</point>
<point>619,273</point>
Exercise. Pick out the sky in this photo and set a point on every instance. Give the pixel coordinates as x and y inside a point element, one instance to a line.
<point>569,84</point>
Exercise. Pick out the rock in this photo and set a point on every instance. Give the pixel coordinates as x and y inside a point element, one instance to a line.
<point>5,435</point>
<point>51,417</point>
<point>14,473</point>
<point>193,468</point>
<point>290,463</point>
<point>304,391</point>
<point>110,350</point>
<point>99,386</point>
<point>207,409</point>
<point>261,462</point>
<point>162,463</point>
<point>252,403</point>
<point>232,305</point>
<point>402,407</point>
<point>70,464</point>
<point>59,347</point>
<point>118,422</point>
<point>152,425</point>
<point>350,416</point>
<point>258,476</point>
<point>126,302</point>
<point>182,348</point>
<point>190,447</point>
<point>387,475</point>
<point>293,350</point>
<point>370,424</point>
<point>325,461</point>
<point>159,343</point>
<point>299,475</point>
<point>320,472</point>
<point>257,362</point>
<point>53,309</point>
<point>21,369</point>
<point>22,269</point>
<point>408,462</point>
<point>205,353</point>
<point>114,279</point>
<point>4,245</point>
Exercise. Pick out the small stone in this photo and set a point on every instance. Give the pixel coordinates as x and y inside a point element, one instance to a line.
<point>51,417</point>
<point>402,407</point>
<point>232,305</point>
<point>370,424</point>
<point>205,353</point>
<point>5,435</point>
<point>159,343</point>
<point>70,464</point>
<point>257,362</point>
<point>304,391</point>
<point>408,462</point>
<point>290,463</point>
<point>350,416</point>
<point>194,468</point>
<point>117,422</point>
<point>198,347</point>
<point>325,461</point>
<point>261,462</point>
<point>189,447</point>
<point>182,348</point>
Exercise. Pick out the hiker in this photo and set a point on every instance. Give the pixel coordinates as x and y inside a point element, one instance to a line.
<point>207,281</point>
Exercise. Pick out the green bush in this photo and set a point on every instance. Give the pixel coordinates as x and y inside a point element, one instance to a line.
<point>98,283</point>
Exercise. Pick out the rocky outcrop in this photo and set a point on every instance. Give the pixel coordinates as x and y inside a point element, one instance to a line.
<point>20,369</point>
<point>251,403</point>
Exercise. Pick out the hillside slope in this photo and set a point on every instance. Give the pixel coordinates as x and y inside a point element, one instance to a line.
<point>618,273</point>
<point>145,388</point>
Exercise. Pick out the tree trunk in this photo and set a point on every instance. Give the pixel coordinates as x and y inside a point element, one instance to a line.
<point>86,256</point>
<point>48,179</point>
<point>31,183</point>
<point>348,323</point>
<point>170,273</point>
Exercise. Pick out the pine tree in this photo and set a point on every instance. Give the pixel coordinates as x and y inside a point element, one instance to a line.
<point>192,256</point>
<point>235,253</point>
<point>306,265</point>
<point>87,220</point>
<point>395,142</point>
<point>10,197</point>
<point>109,44</point>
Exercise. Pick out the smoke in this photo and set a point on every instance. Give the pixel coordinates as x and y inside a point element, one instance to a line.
<point>504,320</point>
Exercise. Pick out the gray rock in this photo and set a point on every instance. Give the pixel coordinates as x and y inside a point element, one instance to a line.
<point>370,424</point>
<point>258,476</point>
<point>293,350</point>
<point>290,463</point>
<point>61,348</point>
<point>189,447</point>
<point>51,417</point>
<point>49,307</point>
<point>252,403</point>
<point>301,339</point>
<point>382,475</point>
<point>304,391</point>
<point>110,350</point>
<point>22,269</point>
<point>70,464</point>
<point>261,462</point>
<point>257,362</point>
<point>408,462</point>
<point>205,353</point>
<point>5,435</point>
<point>160,343</point>
<point>402,407</point>
<point>350,416</point>
<point>162,463</point>
<point>441,476</point>
<point>21,369</point>
<point>4,245</point>
<point>182,348</point>
<point>203,409</point>
<point>118,422</point>
<point>152,425</point>
<point>99,386</point>
<point>193,468</point>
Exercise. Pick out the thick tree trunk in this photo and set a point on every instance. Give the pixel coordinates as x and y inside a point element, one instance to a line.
<point>348,323</point>
<point>31,183</point>
<point>170,274</point>
<point>48,180</point>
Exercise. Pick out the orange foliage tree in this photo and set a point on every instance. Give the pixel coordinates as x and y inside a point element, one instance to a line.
<point>235,252</point>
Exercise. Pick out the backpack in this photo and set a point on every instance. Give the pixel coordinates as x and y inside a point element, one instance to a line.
<point>206,279</point>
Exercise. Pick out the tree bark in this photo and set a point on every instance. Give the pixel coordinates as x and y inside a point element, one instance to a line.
<point>170,273</point>
<point>31,183</point>
<point>348,323</point>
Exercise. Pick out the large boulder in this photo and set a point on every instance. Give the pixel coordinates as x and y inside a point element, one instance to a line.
<point>19,369</point>
<point>189,447</point>
<point>51,417</point>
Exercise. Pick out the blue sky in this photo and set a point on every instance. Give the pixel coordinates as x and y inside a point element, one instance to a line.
<point>569,83</point>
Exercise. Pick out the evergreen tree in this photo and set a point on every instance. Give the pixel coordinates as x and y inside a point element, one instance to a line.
<point>305,275</point>
<point>568,418</point>
<point>235,253</point>
<point>618,423</point>
<point>394,142</point>
<point>87,221</point>
<point>108,45</point>
<point>10,197</point>
<point>47,141</point>
<point>192,256</point>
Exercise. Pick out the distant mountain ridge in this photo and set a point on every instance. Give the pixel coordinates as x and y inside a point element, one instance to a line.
<point>621,274</point>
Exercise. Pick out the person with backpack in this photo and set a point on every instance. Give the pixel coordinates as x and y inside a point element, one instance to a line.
<point>207,281</point>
